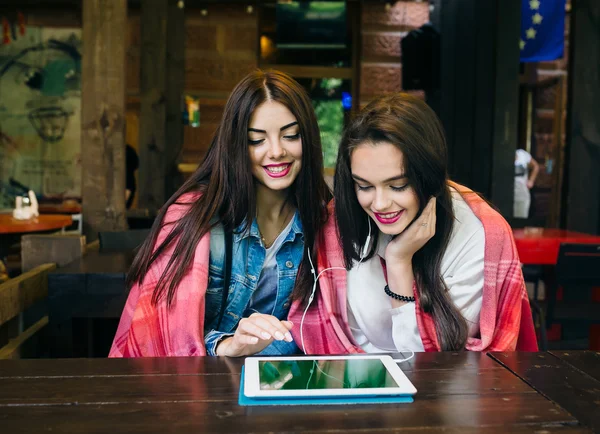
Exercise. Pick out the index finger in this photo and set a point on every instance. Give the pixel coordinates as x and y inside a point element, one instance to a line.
<point>285,327</point>
<point>278,328</point>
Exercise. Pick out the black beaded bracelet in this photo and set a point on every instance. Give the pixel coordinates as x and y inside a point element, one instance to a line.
<point>397,296</point>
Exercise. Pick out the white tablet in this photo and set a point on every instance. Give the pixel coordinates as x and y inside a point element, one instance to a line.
<point>303,376</point>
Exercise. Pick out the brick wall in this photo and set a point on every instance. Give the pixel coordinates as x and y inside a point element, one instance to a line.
<point>221,47</point>
<point>382,29</point>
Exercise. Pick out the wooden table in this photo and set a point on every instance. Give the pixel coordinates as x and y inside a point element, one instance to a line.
<point>571,379</point>
<point>42,223</point>
<point>59,208</point>
<point>457,393</point>
<point>89,288</point>
<point>11,229</point>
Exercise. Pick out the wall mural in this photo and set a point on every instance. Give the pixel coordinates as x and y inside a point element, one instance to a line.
<point>40,109</point>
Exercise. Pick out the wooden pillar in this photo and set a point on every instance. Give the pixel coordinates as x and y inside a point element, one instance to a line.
<point>103,116</point>
<point>153,104</point>
<point>175,89</point>
<point>478,96</point>
<point>583,125</point>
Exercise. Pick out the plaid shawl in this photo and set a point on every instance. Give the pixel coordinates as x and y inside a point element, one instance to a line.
<point>146,330</point>
<point>505,322</point>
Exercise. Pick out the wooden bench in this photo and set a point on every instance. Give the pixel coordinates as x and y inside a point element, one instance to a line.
<point>16,296</point>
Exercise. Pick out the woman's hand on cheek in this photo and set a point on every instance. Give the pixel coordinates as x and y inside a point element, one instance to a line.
<point>405,245</point>
<point>254,334</point>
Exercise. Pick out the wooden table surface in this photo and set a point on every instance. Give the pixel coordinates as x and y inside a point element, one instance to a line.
<point>569,378</point>
<point>44,222</point>
<point>457,393</point>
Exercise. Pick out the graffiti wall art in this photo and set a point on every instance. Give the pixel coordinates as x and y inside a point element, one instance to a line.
<point>40,109</point>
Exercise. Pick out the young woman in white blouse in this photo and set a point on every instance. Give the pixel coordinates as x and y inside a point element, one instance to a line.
<point>414,245</point>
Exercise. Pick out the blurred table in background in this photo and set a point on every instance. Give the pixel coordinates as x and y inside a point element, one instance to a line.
<point>11,229</point>
<point>539,246</point>
<point>42,223</point>
<point>60,208</point>
<point>88,289</point>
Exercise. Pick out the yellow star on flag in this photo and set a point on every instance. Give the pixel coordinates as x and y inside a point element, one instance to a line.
<point>522,44</point>
<point>534,5</point>
<point>537,18</point>
<point>531,33</point>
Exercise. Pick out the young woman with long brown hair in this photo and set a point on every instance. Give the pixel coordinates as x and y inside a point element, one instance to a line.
<point>430,265</point>
<point>218,272</point>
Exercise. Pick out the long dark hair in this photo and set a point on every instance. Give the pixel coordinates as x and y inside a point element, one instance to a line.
<point>408,123</point>
<point>225,180</point>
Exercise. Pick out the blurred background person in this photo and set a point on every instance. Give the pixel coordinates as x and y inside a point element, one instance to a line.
<point>526,171</point>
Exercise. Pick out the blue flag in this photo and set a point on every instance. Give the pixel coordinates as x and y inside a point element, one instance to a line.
<point>542,30</point>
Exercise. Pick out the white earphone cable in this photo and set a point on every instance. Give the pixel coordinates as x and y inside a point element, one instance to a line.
<point>363,255</point>
<point>412,354</point>
<point>312,294</point>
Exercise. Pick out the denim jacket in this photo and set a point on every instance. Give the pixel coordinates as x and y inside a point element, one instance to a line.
<point>248,255</point>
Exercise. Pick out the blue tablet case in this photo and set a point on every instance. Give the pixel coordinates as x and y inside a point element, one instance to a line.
<point>243,400</point>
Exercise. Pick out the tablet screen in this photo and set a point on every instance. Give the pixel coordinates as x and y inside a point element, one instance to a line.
<point>324,374</point>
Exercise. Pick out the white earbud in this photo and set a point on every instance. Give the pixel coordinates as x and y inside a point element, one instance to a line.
<point>365,250</point>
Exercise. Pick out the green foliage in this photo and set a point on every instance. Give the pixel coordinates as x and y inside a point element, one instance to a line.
<point>330,116</point>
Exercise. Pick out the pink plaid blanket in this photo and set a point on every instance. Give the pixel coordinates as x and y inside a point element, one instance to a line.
<point>505,321</point>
